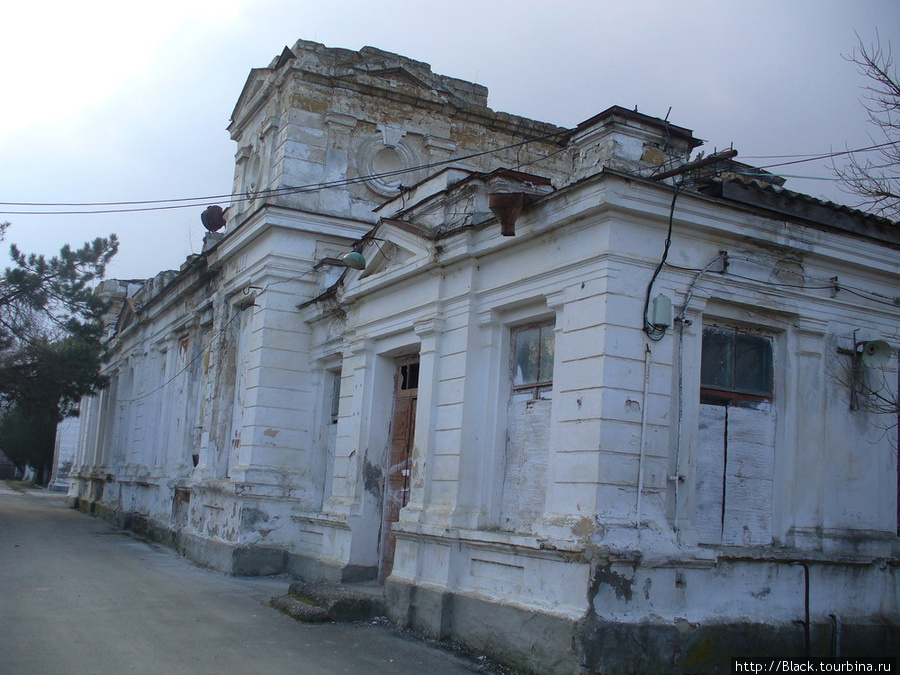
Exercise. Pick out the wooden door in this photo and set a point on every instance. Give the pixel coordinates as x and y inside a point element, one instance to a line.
<point>403,426</point>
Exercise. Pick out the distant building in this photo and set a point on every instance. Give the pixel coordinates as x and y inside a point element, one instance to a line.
<point>64,449</point>
<point>575,400</point>
<point>7,468</point>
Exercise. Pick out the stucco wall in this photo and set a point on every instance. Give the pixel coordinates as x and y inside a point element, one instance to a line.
<point>614,505</point>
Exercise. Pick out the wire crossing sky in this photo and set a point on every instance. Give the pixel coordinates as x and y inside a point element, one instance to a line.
<point>189,202</point>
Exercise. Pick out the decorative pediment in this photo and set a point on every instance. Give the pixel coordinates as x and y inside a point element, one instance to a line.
<point>396,244</point>
<point>284,58</point>
<point>127,315</point>
<point>255,82</point>
<point>401,75</point>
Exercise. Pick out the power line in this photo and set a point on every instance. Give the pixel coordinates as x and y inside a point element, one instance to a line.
<point>753,174</point>
<point>187,366</point>
<point>180,203</point>
<point>826,284</point>
<point>831,155</point>
<point>801,155</point>
<point>148,205</point>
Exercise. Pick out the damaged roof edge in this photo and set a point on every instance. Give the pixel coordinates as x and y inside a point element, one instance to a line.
<point>204,275</point>
<point>634,115</point>
<point>794,205</point>
<point>809,209</point>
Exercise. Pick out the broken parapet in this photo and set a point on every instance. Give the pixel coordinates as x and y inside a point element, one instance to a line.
<point>629,142</point>
<point>115,292</point>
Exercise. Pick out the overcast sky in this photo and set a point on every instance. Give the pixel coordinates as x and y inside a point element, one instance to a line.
<point>105,100</point>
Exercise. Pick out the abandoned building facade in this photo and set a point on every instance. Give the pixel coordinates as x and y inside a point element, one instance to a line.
<point>572,398</point>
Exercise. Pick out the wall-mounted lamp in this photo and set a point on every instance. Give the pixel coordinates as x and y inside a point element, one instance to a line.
<point>213,217</point>
<point>874,354</point>
<point>355,260</point>
<point>866,356</point>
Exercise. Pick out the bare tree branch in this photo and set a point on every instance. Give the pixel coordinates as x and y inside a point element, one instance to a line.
<point>875,178</point>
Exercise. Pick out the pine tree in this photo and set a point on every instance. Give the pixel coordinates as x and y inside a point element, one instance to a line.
<point>50,345</point>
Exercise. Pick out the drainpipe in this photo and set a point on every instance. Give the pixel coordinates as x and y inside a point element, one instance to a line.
<point>676,477</point>
<point>836,629</point>
<point>805,621</point>
<point>507,206</point>
<point>640,485</point>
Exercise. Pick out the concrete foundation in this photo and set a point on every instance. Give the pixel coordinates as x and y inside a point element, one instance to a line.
<point>532,641</point>
<point>686,648</point>
<point>230,558</point>
<point>542,643</point>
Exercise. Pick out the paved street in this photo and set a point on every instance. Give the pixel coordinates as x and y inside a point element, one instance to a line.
<point>78,597</point>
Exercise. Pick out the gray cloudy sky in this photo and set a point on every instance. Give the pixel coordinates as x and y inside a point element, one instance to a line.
<point>111,101</point>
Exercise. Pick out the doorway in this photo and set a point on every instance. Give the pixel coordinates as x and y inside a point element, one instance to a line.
<point>402,435</point>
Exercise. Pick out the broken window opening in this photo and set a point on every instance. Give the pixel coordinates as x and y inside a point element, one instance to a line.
<point>532,362</point>
<point>735,465</point>
<point>409,376</point>
<point>335,394</point>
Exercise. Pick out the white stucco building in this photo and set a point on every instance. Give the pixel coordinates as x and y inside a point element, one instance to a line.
<point>64,449</point>
<point>552,434</point>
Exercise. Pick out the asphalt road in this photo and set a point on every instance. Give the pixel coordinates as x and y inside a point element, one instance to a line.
<point>79,597</point>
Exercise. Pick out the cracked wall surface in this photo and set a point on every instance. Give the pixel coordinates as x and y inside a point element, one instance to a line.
<point>615,506</point>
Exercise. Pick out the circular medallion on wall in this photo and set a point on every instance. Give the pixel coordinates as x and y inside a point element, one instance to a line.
<point>385,157</point>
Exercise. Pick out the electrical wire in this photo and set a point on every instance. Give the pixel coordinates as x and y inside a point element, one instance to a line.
<point>180,203</point>
<point>187,366</point>
<point>830,155</point>
<point>654,332</point>
<point>690,291</point>
<point>830,283</point>
<point>753,174</point>
<point>805,158</point>
<point>186,202</point>
<point>826,284</point>
<point>807,155</point>
<point>798,156</point>
<point>893,303</point>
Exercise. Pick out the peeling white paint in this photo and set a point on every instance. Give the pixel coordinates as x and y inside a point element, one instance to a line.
<point>529,502</point>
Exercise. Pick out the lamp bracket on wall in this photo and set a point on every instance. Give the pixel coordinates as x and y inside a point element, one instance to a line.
<point>866,355</point>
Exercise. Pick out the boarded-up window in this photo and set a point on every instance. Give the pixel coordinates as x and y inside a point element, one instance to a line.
<point>528,427</point>
<point>736,453</point>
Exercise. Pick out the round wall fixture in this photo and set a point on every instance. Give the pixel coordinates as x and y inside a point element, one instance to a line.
<point>381,160</point>
<point>875,353</point>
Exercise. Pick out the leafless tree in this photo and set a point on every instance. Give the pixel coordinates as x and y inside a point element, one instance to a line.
<point>871,389</point>
<point>874,176</point>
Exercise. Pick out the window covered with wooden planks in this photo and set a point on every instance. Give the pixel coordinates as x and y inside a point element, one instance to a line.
<point>735,462</point>
<point>528,426</point>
